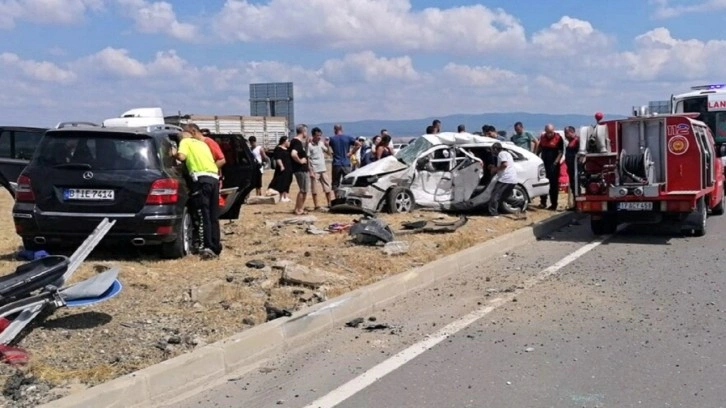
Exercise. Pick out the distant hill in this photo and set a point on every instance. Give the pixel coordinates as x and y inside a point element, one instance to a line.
<point>533,122</point>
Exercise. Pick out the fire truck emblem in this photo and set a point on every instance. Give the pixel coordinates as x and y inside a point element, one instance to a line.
<point>678,145</point>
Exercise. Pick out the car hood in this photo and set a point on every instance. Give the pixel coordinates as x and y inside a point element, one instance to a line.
<point>384,166</point>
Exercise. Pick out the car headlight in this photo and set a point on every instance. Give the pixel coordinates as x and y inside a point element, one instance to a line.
<point>541,171</point>
<point>371,179</point>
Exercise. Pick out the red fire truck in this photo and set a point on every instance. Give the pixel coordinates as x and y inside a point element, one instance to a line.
<point>649,169</point>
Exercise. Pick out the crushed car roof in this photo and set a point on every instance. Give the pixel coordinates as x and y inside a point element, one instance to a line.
<point>468,139</point>
<point>464,138</point>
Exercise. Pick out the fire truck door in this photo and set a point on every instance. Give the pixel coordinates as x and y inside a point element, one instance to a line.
<point>708,155</point>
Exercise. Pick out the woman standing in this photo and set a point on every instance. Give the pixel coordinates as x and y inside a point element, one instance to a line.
<point>384,148</point>
<point>260,157</point>
<point>282,178</point>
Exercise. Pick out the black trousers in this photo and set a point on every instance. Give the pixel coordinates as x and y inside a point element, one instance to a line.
<point>553,175</point>
<point>205,205</point>
<point>571,175</point>
<point>339,172</point>
<point>501,192</point>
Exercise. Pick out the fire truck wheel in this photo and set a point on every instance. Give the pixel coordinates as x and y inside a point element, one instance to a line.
<point>605,225</point>
<point>719,208</point>
<point>702,209</point>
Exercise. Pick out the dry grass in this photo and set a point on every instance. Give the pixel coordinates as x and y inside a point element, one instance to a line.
<point>121,335</point>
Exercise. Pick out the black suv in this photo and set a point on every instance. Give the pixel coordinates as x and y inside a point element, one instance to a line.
<point>80,175</point>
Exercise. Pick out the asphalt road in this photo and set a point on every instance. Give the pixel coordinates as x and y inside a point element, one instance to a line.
<point>637,321</point>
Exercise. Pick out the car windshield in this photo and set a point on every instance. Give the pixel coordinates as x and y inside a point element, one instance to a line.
<point>410,153</point>
<point>96,151</point>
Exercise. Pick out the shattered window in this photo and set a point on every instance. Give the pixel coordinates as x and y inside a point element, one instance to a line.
<point>410,153</point>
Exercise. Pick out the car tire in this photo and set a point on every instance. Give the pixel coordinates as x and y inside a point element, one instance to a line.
<point>604,226</point>
<point>29,245</point>
<point>182,245</point>
<point>400,200</point>
<point>517,201</point>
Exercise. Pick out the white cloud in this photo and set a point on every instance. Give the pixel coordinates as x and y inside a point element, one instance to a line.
<point>483,77</point>
<point>35,70</point>
<point>363,76</point>
<point>45,11</point>
<point>113,62</point>
<point>367,67</point>
<point>659,56</point>
<point>356,25</point>
<point>666,9</point>
<point>158,17</point>
<point>570,36</point>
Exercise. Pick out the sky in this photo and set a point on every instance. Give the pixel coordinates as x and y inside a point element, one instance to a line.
<point>63,60</point>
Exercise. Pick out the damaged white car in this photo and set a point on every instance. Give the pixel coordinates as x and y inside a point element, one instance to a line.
<point>445,171</point>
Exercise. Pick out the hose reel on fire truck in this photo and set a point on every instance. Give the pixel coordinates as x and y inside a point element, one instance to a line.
<point>637,168</point>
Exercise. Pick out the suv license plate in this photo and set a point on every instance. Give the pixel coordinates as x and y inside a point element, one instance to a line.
<point>88,194</point>
<point>635,206</point>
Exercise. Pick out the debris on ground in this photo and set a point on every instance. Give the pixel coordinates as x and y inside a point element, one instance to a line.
<point>355,322</point>
<point>371,231</point>
<point>434,226</point>
<point>300,220</point>
<point>274,312</point>
<point>255,264</point>
<point>394,248</point>
<point>339,227</point>
<point>295,274</point>
<point>209,293</point>
<point>312,229</point>
<point>261,200</point>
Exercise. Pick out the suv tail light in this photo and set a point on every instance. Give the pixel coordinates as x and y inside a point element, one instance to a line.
<point>24,191</point>
<point>163,191</point>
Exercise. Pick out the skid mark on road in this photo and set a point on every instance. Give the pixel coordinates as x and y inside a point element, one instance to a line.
<point>379,371</point>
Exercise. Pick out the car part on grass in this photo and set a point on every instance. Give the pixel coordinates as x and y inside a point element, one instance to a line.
<point>339,206</point>
<point>369,231</point>
<point>433,226</point>
<point>54,272</point>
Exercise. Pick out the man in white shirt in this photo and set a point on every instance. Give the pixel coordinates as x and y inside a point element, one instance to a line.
<point>506,178</point>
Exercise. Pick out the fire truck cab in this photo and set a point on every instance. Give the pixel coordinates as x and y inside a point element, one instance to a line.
<point>649,169</point>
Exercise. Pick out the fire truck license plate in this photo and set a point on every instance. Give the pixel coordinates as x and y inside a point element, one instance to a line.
<point>646,206</point>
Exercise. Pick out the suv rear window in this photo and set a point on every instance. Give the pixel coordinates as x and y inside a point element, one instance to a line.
<point>100,151</point>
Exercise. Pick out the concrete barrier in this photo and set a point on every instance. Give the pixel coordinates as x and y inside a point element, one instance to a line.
<point>244,351</point>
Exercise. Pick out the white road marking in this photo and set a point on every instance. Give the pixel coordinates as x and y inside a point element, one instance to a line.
<point>364,380</point>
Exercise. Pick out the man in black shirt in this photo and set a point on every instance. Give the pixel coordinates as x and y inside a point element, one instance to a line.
<point>573,146</point>
<point>300,167</point>
<point>550,149</point>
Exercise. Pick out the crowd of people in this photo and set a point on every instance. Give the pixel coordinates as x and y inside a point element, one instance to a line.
<point>549,145</point>
<point>303,159</point>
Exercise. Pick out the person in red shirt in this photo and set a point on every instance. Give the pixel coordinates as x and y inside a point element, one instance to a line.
<point>550,149</point>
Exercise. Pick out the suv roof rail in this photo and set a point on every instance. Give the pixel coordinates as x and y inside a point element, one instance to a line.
<point>152,128</point>
<point>62,125</point>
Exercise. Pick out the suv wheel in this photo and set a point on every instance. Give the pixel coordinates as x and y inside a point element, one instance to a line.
<point>29,245</point>
<point>182,245</point>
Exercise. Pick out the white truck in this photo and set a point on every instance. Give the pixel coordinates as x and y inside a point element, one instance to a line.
<point>266,129</point>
